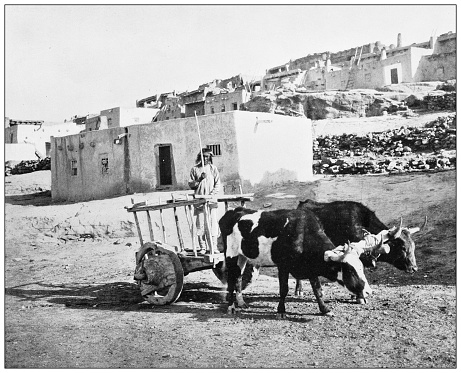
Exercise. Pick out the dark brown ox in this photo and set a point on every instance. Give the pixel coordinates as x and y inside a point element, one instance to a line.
<point>345,221</point>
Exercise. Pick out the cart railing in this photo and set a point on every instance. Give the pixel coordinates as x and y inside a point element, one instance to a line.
<point>186,201</point>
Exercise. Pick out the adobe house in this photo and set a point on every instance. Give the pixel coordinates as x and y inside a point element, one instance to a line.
<point>251,147</point>
<point>25,139</point>
<point>371,66</point>
<point>119,117</point>
<point>169,106</point>
<point>441,64</point>
<point>275,75</point>
<point>231,93</point>
<point>194,102</point>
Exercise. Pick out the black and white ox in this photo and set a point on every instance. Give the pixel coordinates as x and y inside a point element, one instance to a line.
<point>292,240</point>
<point>345,221</point>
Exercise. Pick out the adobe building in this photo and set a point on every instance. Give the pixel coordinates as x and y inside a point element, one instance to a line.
<point>119,117</point>
<point>253,148</point>
<point>27,140</point>
<point>370,66</point>
<point>230,93</point>
<point>169,106</point>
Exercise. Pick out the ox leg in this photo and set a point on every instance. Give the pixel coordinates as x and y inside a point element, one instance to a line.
<point>283,285</point>
<point>299,288</point>
<point>317,289</point>
<point>241,263</point>
<point>234,285</point>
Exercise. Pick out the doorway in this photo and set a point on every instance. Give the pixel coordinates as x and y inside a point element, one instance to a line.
<point>164,158</point>
<point>394,76</point>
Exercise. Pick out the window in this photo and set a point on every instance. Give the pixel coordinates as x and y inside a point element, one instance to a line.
<point>11,138</point>
<point>104,163</point>
<point>212,110</point>
<point>73,166</point>
<point>235,106</point>
<point>223,108</point>
<point>216,149</point>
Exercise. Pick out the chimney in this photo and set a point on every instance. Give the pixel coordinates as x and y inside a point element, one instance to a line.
<point>399,40</point>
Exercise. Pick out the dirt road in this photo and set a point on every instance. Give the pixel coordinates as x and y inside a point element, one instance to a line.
<point>72,303</point>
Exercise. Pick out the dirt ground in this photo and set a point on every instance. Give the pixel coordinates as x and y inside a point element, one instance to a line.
<point>71,301</point>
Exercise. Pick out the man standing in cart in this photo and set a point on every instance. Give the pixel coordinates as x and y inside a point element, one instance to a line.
<point>204,180</point>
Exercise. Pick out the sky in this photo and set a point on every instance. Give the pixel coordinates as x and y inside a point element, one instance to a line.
<point>66,60</point>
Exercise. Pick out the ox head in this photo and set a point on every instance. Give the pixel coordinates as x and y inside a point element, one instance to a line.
<point>402,247</point>
<point>351,274</point>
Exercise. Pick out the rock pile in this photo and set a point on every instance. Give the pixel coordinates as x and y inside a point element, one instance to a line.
<point>25,167</point>
<point>440,100</point>
<point>351,154</point>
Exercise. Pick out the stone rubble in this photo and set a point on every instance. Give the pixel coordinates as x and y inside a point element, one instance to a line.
<point>400,150</point>
<point>25,167</point>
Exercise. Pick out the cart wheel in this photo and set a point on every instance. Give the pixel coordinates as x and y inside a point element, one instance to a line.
<point>165,275</point>
<point>250,274</point>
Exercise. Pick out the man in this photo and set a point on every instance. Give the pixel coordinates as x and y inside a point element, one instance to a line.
<point>204,180</point>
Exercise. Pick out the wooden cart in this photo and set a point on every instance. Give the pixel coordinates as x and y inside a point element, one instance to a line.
<point>161,267</point>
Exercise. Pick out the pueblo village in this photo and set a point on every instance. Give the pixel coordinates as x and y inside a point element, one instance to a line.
<point>330,241</point>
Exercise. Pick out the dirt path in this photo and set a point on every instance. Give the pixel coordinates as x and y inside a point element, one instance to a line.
<point>73,303</point>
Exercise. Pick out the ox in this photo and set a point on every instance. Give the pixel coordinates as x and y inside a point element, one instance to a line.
<point>345,221</point>
<point>292,240</point>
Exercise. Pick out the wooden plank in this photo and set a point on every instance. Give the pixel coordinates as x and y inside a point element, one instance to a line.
<point>207,224</point>
<point>194,202</point>
<point>163,226</point>
<point>151,231</point>
<point>192,229</point>
<point>138,228</point>
<point>178,229</point>
<point>142,206</point>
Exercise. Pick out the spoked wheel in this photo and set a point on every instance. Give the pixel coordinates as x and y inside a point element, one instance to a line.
<point>160,274</point>
<point>250,274</point>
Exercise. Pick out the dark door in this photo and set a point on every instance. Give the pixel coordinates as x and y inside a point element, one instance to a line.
<point>394,76</point>
<point>164,156</point>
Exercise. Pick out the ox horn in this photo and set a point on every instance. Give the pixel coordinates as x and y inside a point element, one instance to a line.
<point>377,246</point>
<point>380,248</point>
<point>398,231</point>
<point>418,229</point>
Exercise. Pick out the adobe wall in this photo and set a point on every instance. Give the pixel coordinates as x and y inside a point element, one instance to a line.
<point>437,67</point>
<point>20,152</point>
<point>238,96</point>
<point>274,151</point>
<point>278,151</point>
<point>38,135</point>
<point>87,150</point>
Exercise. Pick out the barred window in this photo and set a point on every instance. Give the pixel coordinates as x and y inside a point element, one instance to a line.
<point>216,149</point>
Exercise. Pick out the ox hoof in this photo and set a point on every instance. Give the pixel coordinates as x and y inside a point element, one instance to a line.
<point>299,293</point>
<point>281,316</point>
<point>232,310</point>
<point>361,301</point>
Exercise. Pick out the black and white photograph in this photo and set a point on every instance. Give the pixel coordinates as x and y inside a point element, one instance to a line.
<point>230,186</point>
